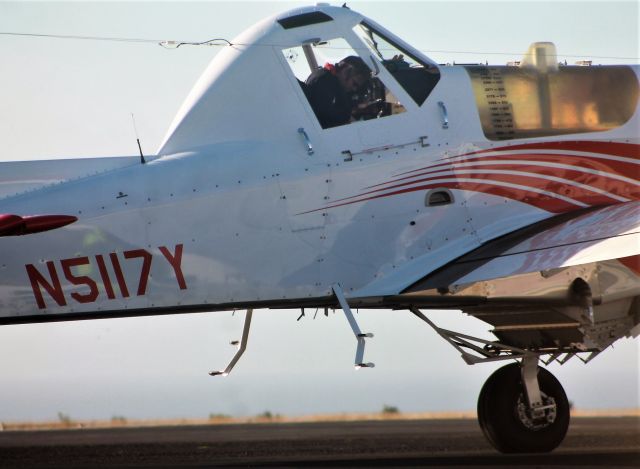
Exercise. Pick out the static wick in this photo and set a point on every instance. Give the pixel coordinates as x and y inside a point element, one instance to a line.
<point>135,129</point>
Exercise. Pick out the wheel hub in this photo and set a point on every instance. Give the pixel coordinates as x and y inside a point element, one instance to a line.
<point>539,418</point>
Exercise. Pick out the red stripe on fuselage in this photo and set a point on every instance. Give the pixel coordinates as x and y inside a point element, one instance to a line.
<point>629,150</point>
<point>545,202</point>
<point>608,180</point>
<point>536,177</point>
<point>600,163</point>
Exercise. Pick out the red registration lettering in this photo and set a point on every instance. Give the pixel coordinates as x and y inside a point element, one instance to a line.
<point>106,280</point>
<point>146,267</point>
<point>119,275</point>
<point>92,295</point>
<point>54,288</point>
<point>175,260</point>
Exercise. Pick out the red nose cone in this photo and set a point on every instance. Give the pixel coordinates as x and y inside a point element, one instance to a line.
<point>38,223</point>
<point>10,225</point>
<point>14,225</point>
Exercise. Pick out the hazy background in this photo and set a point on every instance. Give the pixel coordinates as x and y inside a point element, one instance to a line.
<point>73,98</point>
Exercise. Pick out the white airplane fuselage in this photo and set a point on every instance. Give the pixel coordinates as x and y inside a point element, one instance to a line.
<point>234,210</point>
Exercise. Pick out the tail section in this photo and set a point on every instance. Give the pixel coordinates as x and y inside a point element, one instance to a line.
<point>17,177</point>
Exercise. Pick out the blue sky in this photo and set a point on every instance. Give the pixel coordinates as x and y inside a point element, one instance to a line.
<point>74,98</point>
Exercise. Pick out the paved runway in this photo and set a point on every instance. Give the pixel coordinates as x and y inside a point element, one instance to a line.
<point>591,442</point>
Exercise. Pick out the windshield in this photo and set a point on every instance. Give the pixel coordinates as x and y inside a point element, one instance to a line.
<point>417,77</point>
<point>339,84</point>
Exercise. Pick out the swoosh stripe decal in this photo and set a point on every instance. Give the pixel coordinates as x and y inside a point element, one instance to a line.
<point>536,163</point>
<point>530,195</point>
<point>609,148</point>
<point>575,183</point>
<point>554,176</point>
<point>605,162</point>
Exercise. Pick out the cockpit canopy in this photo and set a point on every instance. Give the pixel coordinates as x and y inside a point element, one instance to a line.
<point>303,41</point>
<point>378,49</point>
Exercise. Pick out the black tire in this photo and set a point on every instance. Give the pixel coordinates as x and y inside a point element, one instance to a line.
<point>507,424</point>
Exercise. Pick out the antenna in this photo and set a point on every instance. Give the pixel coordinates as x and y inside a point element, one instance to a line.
<point>135,129</point>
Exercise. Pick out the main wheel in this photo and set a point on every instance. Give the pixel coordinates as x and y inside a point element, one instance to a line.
<point>506,420</point>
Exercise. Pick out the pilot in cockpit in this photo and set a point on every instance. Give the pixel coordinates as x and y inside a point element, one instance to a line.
<point>331,90</point>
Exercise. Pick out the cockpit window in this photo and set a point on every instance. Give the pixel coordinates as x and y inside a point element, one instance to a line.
<point>416,77</point>
<point>339,84</point>
<point>304,19</point>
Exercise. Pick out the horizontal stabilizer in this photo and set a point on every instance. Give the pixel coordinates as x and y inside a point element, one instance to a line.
<point>15,225</point>
<point>17,177</point>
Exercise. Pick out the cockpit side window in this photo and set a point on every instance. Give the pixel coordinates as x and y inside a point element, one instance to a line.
<point>414,75</point>
<point>339,84</point>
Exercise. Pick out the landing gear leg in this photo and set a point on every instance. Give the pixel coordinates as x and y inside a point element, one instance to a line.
<point>241,344</point>
<point>522,408</point>
<point>359,335</point>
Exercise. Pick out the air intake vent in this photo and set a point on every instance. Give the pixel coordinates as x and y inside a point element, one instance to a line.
<point>437,197</point>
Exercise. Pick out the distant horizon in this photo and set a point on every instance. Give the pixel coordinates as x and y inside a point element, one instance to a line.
<point>67,421</point>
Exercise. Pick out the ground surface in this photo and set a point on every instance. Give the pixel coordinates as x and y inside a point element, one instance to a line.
<point>591,442</point>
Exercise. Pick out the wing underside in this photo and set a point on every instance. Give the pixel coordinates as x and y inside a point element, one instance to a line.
<point>605,234</point>
<point>572,281</point>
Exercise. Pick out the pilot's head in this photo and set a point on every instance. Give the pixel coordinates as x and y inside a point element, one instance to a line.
<point>352,73</point>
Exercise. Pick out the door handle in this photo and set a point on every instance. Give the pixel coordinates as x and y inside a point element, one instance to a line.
<point>443,115</point>
<point>307,142</point>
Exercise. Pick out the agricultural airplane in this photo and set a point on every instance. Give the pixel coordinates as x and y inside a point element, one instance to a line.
<point>507,192</point>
